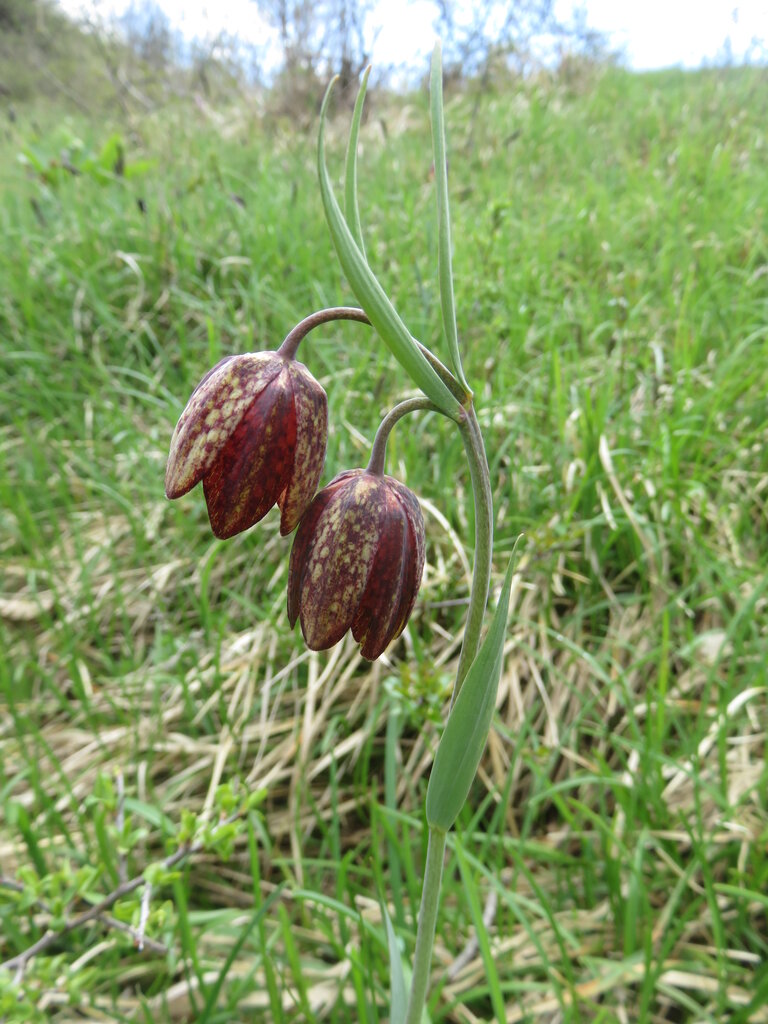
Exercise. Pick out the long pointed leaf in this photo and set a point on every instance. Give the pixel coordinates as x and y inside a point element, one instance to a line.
<point>351,206</point>
<point>444,255</point>
<point>371,295</point>
<point>469,722</point>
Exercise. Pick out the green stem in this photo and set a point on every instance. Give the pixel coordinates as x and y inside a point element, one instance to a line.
<point>481,575</point>
<point>478,598</point>
<point>425,935</point>
<point>445,375</point>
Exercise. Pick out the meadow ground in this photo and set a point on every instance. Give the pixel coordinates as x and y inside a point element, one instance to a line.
<point>611,260</point>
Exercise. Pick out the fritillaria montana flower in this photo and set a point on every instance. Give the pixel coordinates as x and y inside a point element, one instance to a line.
<point>254,431</point>
<point>356,562</point>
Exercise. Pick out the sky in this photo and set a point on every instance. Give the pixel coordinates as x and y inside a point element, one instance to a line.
<point>650,33</point>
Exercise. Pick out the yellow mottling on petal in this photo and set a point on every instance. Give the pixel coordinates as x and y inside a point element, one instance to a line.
<point>229,408</point>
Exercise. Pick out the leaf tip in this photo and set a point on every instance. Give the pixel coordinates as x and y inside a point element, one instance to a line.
<point>327,97</point>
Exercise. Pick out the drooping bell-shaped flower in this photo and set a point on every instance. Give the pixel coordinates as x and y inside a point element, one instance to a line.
<point>356,562</point>
<point>254,431</point>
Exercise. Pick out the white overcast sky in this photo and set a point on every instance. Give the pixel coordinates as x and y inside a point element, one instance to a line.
<point>651,33</point>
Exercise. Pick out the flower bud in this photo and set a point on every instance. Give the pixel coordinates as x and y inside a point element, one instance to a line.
<point>356,562</point>
<point>254,431</point>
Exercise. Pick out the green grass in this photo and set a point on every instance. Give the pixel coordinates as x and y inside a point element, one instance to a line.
<point>612,287</point>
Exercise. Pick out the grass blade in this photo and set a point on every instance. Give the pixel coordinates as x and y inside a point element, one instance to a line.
<point>481,932</point>
<point>294,962</point>
<point>215,989</point>
<point>398,993</point>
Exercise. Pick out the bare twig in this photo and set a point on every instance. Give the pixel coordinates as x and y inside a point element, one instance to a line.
<point>146,896</point>
<point>122,871</point>
<point>141,942</point>
<point>106,919</point>
<point>19,962</point>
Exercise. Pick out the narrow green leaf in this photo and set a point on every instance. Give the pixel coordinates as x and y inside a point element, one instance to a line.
<point>371,295</point>
<point>16,816</point>
<point>187,942</point>
<point>351,206</point>
<point>275,1002</point>
<point>394,869</point>
<point>215,989</point>
<point>444,255</point>
<point>150,814</point>
<point>466,732</point>
<point>634,901</point>
<point>398,993</point>
<point>481,933</point>
<point>294,962</point>
<point>748,895</point>
<point>106,847</point>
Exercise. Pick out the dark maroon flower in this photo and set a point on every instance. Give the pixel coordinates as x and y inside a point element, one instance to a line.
<point>356,562</point>
<point>254,431</point>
